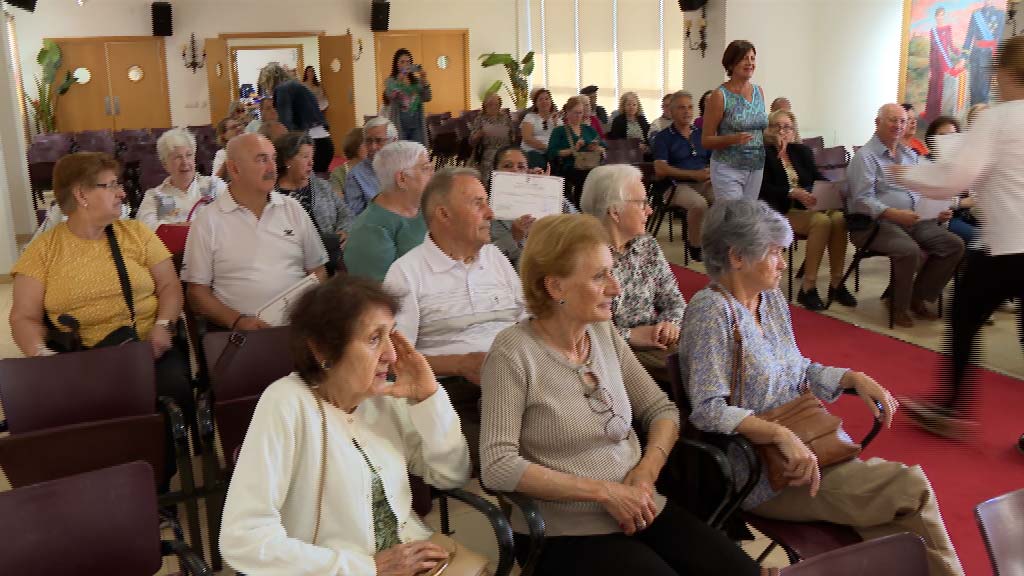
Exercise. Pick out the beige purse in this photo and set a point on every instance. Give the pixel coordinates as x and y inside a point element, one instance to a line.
<point>461,560</point>
<point>583,159</point>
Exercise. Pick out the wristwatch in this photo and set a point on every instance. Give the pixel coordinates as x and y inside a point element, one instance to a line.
<point>167,324</point>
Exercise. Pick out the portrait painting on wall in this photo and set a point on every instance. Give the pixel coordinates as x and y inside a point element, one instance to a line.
<point>946,54</point>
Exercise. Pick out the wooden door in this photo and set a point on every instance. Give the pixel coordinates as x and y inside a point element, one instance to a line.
<point>445,55</point>
<point>218,76</point>
<point>138,84</point>
<point>338,82</point>
<point>84,106</point>
<point>386,44</point>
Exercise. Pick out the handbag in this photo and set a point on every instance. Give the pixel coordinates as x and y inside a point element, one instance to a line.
<point>583,159</point>
<point>71,341</point>
<point>461,561</point>
<point>805,416</point>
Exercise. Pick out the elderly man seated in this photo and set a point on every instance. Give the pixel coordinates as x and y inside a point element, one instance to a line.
<point>392,224</point>
<point>457,290</point>
<point>251,244</point>
<point>361,185</point>
<point>901,233</point>
<point>682,168</point>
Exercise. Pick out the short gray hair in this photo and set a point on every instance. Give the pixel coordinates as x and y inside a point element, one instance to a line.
<point>396,157</point>
<point>680,94</point>
<point>605,188</point>
<point>748,227</point>
<point>392,132</point>
<point>171,139</point>
<point>440,186</point>
<point>288,146</point>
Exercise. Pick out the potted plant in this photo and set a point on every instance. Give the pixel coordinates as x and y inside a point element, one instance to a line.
<point>45,105</point>
<point>518,76</point>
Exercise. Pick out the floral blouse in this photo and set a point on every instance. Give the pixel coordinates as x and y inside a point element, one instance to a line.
<point>329,213</point>
<point>774,370</point>
<point>497,133</point>
<point>650,293</point>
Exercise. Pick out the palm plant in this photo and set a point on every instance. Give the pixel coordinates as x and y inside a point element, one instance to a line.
<point>45,106</point>
<point>519,72</point>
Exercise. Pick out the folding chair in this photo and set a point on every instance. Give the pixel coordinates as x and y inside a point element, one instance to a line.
<point>902,554</point>
<point>999,520</point>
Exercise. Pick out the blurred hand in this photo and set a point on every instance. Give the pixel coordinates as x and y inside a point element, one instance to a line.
<point>521,227</point>
<point>741,138</point>
<point>703,175</point>
<point>905,218</point>
<point>666,334</point>
<point>631,506</point>
<point>646,337</point>
<point>802,465</point>
<point>594,147</point>
<point>472,363</point>
<point>870,392</point>
<point>409,559</point>
<point>945,216</point>
<point>250,323</point>
<point>413,377</point>
<point>159,340</point>
<point>804,197</point>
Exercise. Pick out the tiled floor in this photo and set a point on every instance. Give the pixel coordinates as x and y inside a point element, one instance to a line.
<point>1002,353</point>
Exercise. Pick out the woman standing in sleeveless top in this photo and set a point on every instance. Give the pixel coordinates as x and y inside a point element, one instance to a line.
<point>733,125</point>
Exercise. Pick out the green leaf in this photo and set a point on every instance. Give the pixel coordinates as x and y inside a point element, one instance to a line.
<point>69,80</point>
<point>492,89</point>
<point>494,59</point>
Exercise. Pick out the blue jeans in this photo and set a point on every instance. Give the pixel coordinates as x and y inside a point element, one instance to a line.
<point>965,230</point>
<point>412,127</point>
<point>728,183</point>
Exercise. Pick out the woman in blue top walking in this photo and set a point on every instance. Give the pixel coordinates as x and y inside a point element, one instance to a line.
<point>733,125</point>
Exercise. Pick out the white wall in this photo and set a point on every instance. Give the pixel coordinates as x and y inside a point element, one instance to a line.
<point>836,60</point>
<point>16,215</point>
<point>705,73</point>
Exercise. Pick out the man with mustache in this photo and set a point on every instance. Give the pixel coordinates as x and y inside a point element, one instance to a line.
<point>250,244</point>
<point>457,290</point>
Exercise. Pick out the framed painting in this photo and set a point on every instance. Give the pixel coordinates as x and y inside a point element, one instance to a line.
<point>946,55</point>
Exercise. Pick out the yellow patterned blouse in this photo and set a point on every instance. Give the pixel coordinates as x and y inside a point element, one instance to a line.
<point>79,277</point>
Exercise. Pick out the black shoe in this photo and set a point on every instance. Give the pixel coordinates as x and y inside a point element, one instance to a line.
<point>842,295</point>
<point>810,300</point>
<point>695,253</point>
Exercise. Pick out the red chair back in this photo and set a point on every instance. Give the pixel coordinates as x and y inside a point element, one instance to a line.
<point>100,522</point>
<point>100,384</point>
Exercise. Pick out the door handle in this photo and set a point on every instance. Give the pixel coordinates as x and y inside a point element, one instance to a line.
<point>117,105</point>
<point>106,105</point>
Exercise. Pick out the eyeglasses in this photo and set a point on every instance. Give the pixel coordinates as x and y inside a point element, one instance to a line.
<point>514,167</point>
<point>115,185</point>
<point>381,141</point>
<point>544,125</point>
<point>616,428</point>
<point>783,128</point>
<point>646,201</point>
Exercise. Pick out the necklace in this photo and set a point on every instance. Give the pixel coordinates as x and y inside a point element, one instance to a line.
<point>577,353</point>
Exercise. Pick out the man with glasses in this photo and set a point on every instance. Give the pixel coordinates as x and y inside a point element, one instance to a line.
<point>361,184</point>
<point>457,290</point>
<point>681,167</point>
<point>249,245</point>
<point>889,223</point>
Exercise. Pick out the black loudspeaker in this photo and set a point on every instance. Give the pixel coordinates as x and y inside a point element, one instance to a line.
<point>687,5</point>
<point>29,5</point>
<point>162,19</point>
<point>379,15</point>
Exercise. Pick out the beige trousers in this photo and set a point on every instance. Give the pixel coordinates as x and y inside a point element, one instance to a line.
<point>825,229</point>
<point>694,197</point>
<point>876,498</point>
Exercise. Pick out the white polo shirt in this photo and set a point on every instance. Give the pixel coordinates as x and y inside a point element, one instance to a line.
<point>247,261</point>
<point>450,307</point>
<point>166,204</point>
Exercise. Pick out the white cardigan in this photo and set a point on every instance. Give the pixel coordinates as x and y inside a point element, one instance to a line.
<point>271,505</point>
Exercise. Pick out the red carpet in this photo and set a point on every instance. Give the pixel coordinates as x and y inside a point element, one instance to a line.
<point>961,474</point>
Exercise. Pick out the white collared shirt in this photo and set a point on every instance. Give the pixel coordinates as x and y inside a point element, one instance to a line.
<point>248,262</point>
<point>451,307</point>
<point>166,204</point>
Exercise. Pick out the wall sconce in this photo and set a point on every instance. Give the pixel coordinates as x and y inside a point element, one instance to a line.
<point>702,32</point>
<point>359,46</point>
<point>1011,15</point>
<point>191,57</point>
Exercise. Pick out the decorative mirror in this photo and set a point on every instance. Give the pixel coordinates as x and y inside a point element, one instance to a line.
<point>335,65</point>
<point>82,75</point>
<point>219,70</point>
<point>442,62</point>
<point>135,73</point>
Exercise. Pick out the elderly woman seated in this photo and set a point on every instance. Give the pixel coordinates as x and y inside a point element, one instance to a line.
<point>174,201</point>
<point>322,485</point>
<point>650,308</point>
<point>744,243</point>
<point>68,277</point>
<point>560,392</point>
<point>295,178</point>
<point>226,129</point>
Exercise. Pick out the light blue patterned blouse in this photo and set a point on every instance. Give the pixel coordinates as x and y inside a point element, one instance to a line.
<point>740,115</point>
<point>774,370</point>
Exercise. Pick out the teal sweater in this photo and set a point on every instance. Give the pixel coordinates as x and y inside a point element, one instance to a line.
<point>377,238</point>
<point>560,141</point>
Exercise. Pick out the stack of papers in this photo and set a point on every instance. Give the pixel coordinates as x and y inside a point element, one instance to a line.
<point>514,195</point>
<point>277,311</point>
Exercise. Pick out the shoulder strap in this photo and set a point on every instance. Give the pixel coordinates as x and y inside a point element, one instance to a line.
<point>122,276</point>
<point>736,383</point>
<point>323,463</point>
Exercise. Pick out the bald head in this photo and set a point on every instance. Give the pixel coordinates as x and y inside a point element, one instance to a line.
<point>252,164</point>
<point>890,123</point>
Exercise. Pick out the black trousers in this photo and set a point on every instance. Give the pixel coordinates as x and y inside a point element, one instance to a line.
<point>987,282</point>
<point>675,544</point>
<point>323,154</point>
<point>172,380</point>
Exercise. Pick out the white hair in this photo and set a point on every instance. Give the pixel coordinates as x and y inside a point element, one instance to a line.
<point>605,188</point>
<point>391,132</point>
<point>747,227</point>
<point>172,139</point>
<point>396,157</point>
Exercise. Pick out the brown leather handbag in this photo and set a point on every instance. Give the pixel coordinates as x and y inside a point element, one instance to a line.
<point>805,416</point>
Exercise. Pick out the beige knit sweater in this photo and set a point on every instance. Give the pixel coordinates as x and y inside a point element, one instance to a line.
<point>535,412</point>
